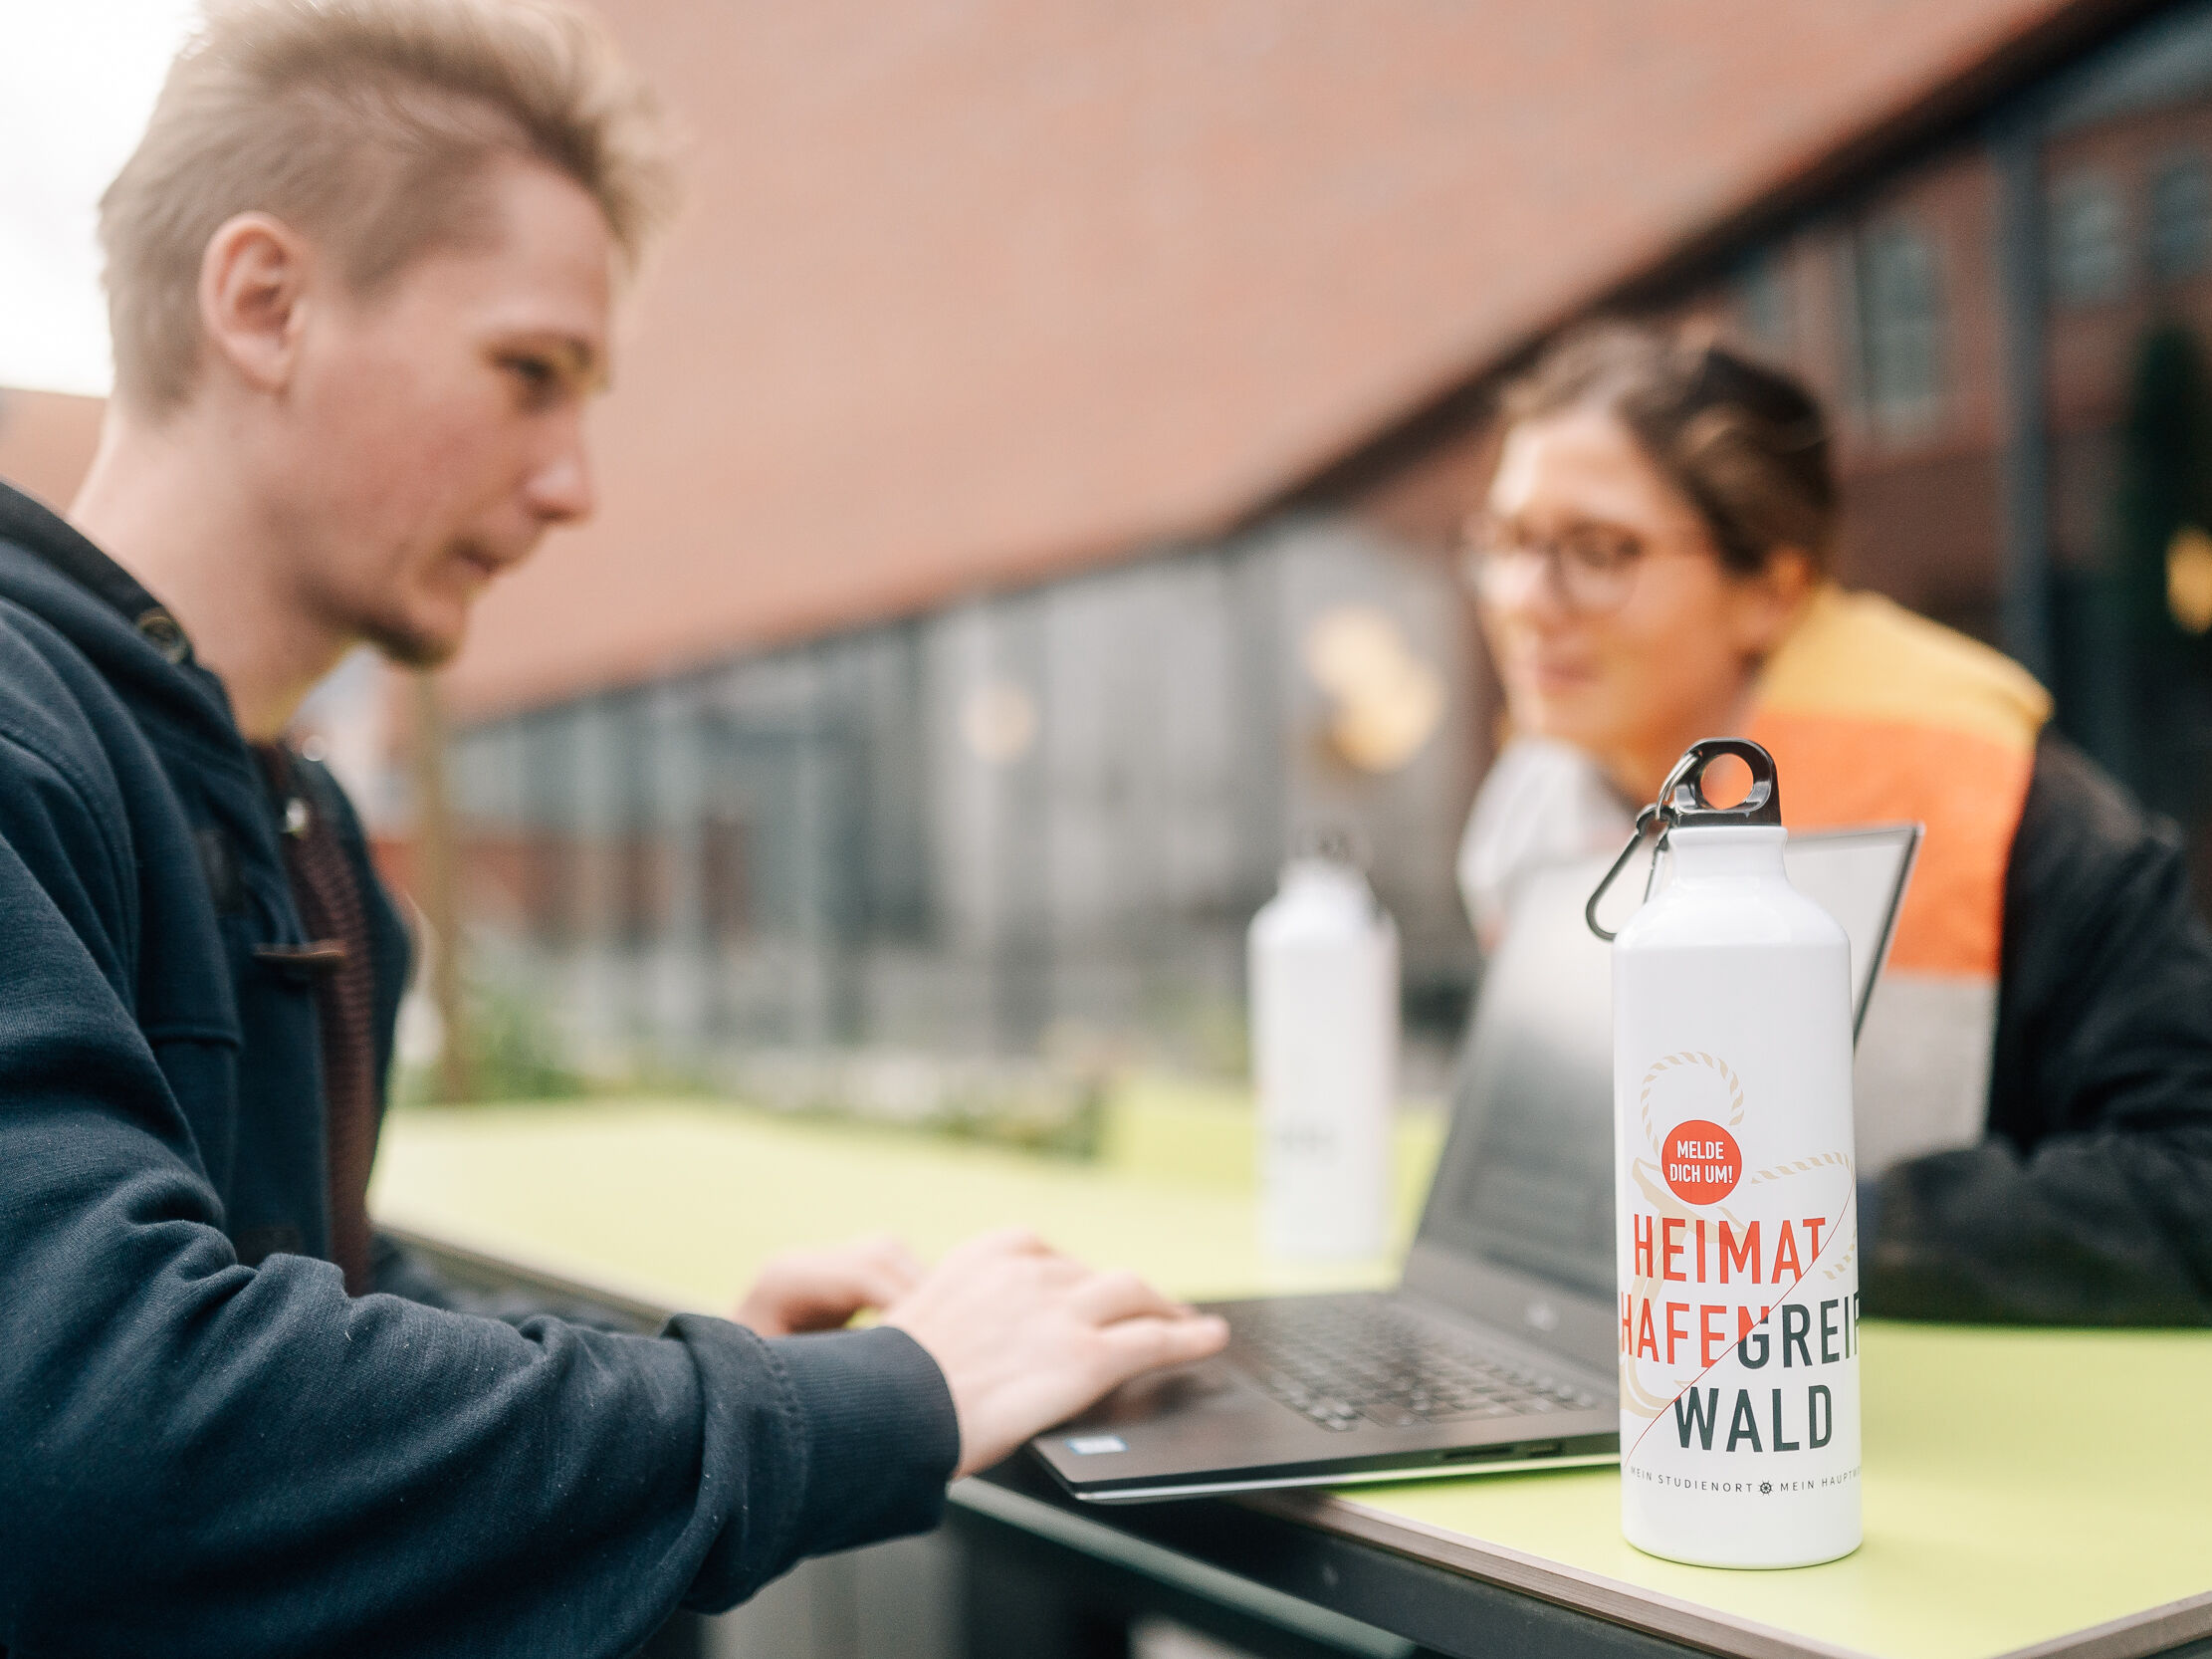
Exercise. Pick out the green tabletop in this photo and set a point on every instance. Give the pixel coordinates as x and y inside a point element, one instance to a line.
<point>2019,1487</point>
<point>680,1203</point>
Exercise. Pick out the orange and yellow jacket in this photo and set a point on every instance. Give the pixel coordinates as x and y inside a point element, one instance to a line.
<point>2034,1082</point>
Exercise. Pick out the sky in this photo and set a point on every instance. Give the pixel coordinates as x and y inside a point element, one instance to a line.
<point>77,79</point>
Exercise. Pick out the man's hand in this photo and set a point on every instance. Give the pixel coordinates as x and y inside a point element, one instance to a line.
<point>821,1290</point>
<point>1027,1337</point>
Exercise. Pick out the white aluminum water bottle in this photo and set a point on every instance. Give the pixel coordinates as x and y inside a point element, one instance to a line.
<point>1733,1178</point>
<point>1322,960</point>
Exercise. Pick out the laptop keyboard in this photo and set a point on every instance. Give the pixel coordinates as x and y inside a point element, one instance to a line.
<point>1346,1362</point>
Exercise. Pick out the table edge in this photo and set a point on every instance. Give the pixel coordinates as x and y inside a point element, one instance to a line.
<point>2131,1636</point>
<point>1097,1536</point>
<point>1611,1599</point>
<point>477,1257</point>
<point>2137,1635</point>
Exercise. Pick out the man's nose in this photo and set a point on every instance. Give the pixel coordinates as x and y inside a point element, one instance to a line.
<point>560,489</point>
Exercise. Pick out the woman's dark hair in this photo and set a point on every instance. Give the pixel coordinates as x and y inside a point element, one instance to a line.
<point>1745,444</point>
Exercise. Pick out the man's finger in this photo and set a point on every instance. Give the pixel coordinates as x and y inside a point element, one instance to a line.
<point>868,1283</point>
<point>1144,1343</point>
<point>889,1248</point>
<point>887,1261</point>
<point>905,1264</point>
<point>1103,1297</point>
<point>1005,1241</point>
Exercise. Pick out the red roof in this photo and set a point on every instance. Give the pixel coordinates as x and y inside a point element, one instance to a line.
<point>982,290</point>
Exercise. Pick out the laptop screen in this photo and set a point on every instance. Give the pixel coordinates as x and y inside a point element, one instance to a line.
<point>1526,1178</point>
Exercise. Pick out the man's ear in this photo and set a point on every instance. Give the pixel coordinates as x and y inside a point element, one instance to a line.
<point>255,279</point>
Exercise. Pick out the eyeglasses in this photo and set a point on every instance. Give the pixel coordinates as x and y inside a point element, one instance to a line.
<point>1592,567</point>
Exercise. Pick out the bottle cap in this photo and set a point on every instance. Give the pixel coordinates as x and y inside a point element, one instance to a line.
<point>1681,805</point>
<point>1681,798</point>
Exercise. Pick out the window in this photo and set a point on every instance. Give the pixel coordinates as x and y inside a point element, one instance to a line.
<point>641,888</point>
<point>547,884</point>
<point>2089,241</point>
<point>724,875</point>
<point>551,864</point>
<point>1901,330</point>
<point>2180,216</point>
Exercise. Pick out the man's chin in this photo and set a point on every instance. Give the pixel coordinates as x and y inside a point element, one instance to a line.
<point>414,647</point>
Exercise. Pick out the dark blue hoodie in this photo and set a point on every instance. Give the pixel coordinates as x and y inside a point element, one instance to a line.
<point>206,1445</point>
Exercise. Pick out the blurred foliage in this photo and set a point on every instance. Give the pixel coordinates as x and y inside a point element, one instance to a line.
<point>1053,1106</point>
<point>1191,1029</point>
<point>516,1054</point>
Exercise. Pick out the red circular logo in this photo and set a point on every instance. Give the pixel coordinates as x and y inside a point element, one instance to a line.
<point>1703,1161</point>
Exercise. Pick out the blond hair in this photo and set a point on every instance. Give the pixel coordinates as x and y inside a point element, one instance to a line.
<point>367,125</point>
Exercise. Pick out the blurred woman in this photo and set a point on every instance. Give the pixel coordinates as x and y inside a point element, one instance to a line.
<point>2035,1097</point>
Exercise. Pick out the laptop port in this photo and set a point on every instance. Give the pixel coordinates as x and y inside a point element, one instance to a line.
<point>1487,1454</point>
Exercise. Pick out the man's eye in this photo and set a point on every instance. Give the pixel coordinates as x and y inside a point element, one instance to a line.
<point>538,376</point>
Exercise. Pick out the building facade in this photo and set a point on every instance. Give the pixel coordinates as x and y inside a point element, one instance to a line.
<point>1028,818</point>
<point>1050,811</point>
<point>2017,333</point>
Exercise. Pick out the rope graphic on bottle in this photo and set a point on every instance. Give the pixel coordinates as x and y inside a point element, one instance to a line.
<point>1798,1166</point>
<point>1668,1063</point>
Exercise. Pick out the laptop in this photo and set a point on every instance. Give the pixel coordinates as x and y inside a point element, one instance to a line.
<point>1497,1350</point>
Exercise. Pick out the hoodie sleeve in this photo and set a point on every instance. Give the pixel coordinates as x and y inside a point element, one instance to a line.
<point>2091,1200</point>
<point>204,1457</point>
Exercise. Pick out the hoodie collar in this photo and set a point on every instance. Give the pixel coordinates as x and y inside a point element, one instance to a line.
<point>41,531</point>
<point>150,648</point>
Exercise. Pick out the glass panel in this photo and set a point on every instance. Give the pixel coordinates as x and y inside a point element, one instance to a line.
<point>2180,216</point>
<point>2088,243</point>
<point>1763,301</point>
<point>1901,321</point>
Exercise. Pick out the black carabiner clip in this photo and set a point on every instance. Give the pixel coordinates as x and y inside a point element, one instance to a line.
<point>1681,799</point>
<point>1657,813</point>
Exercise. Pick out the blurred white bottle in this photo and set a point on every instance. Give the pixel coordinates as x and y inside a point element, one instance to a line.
<point>1323,972</point>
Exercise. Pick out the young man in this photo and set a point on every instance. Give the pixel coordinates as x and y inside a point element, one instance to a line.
<point>361,271</point>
